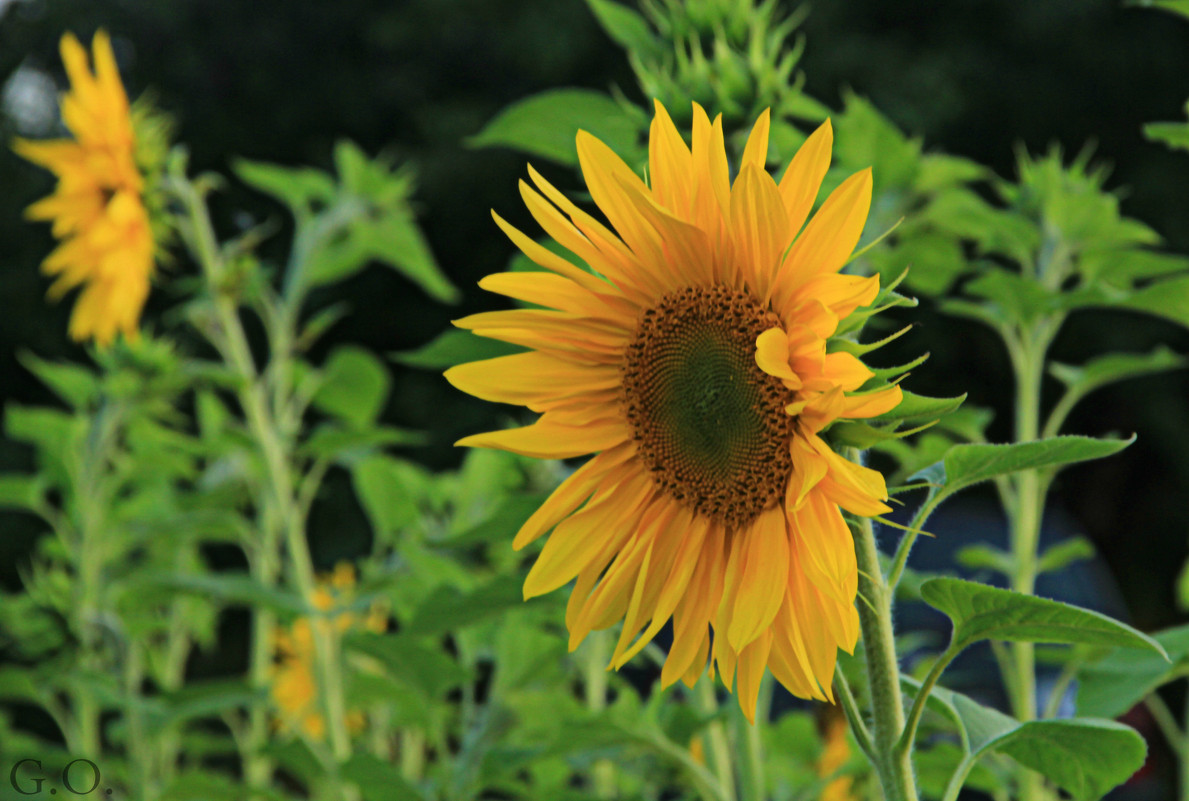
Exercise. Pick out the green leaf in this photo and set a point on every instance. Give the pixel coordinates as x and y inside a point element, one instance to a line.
<point>354,386</point>
<point>1168,298</point>
<point>1083,756</point>
<point>378,780</point>
<point>1123,677</point>
<point>233,589</point>
<point>388,489</point>
<point>1173,134</point>
<point>399,243</point>
<point>503,523</point>
<point>966,465</point>
<point>1112,367</point>
<point>72,383</point>
<point>981,556</point>
<point>453,347</point>
<point>920,408</point>
<point>626,27</point>
<point>297,188</point>
<point>1065,553</point>
<point>20,491</point>
<point>345,445</point>
<point>1176,6</point>
<point>980,612</point>
<point>409,660</point>
<point>546,124</point>
<point>445,610</point>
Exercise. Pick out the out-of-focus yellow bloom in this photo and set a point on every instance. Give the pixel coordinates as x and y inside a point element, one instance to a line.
<point>98,210</point>
<point>835,755</point>
<point>294,681</point>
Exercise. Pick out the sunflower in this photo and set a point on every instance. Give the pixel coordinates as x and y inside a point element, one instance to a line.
<point>694,364</point>
<point>98,208</point>
<point>294,687</point>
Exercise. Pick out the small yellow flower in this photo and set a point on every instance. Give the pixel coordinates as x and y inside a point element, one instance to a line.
<point>98,210</point>
<point>833,757</point>
<point>294,682</point>
<point>696,367</point>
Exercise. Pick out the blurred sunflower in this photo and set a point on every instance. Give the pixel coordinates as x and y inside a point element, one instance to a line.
<point>294,683</point>
<point>98,208</point>
<point>695,365</point>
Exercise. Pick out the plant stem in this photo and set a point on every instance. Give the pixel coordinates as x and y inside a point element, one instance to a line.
<point>253,396</point>
<point>883,670</point>
<point>716,737</point>
<point>750,747</point>
<point>854,717</point>
<point>598,652</point>
<point>1028,357</point>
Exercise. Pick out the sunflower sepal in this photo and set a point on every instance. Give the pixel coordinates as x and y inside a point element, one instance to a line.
<point>888,298</point>
<point>846,433</point>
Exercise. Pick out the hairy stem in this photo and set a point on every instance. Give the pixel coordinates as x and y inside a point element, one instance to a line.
<point>883,669</point>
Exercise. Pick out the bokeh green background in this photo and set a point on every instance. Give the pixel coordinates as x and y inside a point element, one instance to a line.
<point>281,81</point>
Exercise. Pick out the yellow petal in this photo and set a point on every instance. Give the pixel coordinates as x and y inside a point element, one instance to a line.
<point>830,237</point>
<point>759,231</point>
<point>772,354</point>
<point>845,370</point>
<point>755,153</point>
<point>670,164</point>
<point>873,404</point>
<point>765,566</point>
<point>826,547</point>
<point>693,530</point>
<point>532,377</point>
<point>578,538</point>
<point>801,181</point>
<point>570,494</point>
<point>547,258</point>
<point>809,468</point>
<point>692,616</point>
<point>604,172</point>
<point>545,439</point>
<point>752,661</point>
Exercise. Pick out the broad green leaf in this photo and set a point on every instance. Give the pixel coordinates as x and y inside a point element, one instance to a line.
<point>296,187</point>
<point>388,489</point>
<point>1168,298</point>
<point>1112,367</point>
<point>503,523</point>
<point>1086,757</point>
<point>966,465</point>
<point>410,660</point>
<point>626,27</point>
<point>378,780</point>
<point>398,242</point>
<point>1011,296</point>
<point>980,612</point>
<point>546,124</point>
<point>72,383</point>
<point>1122,678</point>
<point>354,386</point>
<point>446,610</point>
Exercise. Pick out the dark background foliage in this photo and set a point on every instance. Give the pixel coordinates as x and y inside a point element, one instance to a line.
<point>281,81</point>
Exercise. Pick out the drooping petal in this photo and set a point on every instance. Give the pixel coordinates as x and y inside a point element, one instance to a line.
<point>763,566</point>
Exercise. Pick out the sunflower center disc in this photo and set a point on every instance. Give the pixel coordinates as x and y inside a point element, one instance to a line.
<point>707,420</point>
